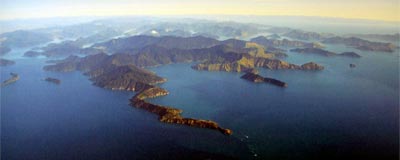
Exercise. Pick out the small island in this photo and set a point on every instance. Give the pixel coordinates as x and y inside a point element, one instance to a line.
<point>169,114</point>
<point>5,62</point>
<point>350,54</point>
<point>31,54</point>
<point>258,79</point>
<point>53,80</point>
<point>14,78</point>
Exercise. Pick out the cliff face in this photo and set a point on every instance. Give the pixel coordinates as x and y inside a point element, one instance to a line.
<point>257,50</point>
<point>169,114</point>
<point>243,64</point>
<point>258,79</point>
<point>274,64</point>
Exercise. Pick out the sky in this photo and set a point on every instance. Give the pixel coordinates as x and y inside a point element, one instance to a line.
<point>386,10</point>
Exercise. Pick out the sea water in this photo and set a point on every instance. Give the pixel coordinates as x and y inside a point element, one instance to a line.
<point>339,112</point>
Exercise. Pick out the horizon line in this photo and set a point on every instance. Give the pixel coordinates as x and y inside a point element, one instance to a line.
<point>191,16</point>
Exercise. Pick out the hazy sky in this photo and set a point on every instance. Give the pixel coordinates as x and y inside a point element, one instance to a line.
<point>364,9</point>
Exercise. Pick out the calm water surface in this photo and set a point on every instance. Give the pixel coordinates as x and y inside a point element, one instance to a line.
<point>339,112</point>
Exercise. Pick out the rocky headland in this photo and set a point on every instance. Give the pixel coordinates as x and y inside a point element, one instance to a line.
<point>14,77</point>
<point>169,114</point>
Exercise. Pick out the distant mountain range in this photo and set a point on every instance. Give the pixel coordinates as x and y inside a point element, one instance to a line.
<point>90,37</point>
<point>383,37</point>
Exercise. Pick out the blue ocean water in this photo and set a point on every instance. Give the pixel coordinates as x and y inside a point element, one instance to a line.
<point>337,113</point>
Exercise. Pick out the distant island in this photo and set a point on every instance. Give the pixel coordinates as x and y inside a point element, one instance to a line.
<point>5,62</point>
<point>31,54</point>
<point>303,35</point>
<point>385,37</point>
<point>258,79</point>
<point>14,77</point>
<point>352,41</point>
<point>326,53</point>
<point>361,44</point>
<point>53,80</point>
<point>269,42</point>
<point>24,38</point>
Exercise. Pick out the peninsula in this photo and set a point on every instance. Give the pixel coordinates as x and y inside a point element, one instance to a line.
<point>169,114</point>
<point>14,78</point>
